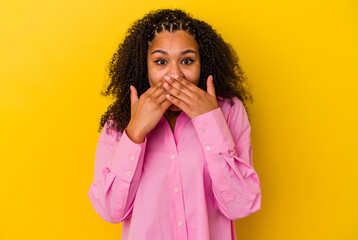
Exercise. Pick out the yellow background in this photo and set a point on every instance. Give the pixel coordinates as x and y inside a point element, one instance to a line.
<point>300,57</point>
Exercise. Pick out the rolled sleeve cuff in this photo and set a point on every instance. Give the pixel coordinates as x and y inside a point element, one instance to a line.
<point>213,132</point>
<point>126,157</point>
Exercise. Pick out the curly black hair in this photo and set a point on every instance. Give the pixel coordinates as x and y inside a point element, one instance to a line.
<point>128,65</point>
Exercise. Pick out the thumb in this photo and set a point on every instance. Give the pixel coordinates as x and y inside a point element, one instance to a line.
<point>134,95</point>
<point>210,86</point>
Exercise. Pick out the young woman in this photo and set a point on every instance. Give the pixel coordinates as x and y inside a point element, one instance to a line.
<point>174,158</point>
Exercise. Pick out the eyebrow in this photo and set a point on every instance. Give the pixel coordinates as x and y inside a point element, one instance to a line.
<point>182,53</point>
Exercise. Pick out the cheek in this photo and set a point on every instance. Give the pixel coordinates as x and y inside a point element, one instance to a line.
<point>154,77</point>
<point>193,76</point>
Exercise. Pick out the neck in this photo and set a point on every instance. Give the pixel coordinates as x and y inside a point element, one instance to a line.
<point>171,114</point>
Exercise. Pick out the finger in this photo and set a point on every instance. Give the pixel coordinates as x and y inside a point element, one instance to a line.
<point>182,86</point>
<point>177,102</point>
<point>178,91</point>
<point>165,104</point>
<point>159,90</point>
<point>134,95</point>
<point>159,94</point>
<point>210,86</point>
<point>161,98</point>
<point>189,85</point>
<point>151,89</point>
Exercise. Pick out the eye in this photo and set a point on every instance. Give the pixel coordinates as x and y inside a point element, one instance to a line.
<point>187,61</point>
<point>160,62</point>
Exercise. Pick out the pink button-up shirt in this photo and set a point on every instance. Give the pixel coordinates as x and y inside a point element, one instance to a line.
<point>190,184</point>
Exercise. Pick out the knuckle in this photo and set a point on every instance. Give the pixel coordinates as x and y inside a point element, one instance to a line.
<point>149,100</point>
<point>196,97</point>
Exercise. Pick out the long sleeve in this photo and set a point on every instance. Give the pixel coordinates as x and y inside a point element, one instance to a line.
<point>117,173</point>
<point>228,152</point>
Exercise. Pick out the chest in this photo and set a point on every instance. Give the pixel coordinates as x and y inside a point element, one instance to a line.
<point>173,158</point>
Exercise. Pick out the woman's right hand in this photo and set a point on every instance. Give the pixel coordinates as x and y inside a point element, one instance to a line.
<point>146,111</point>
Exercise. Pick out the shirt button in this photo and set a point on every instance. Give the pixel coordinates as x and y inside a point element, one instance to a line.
<point>179,224</point>
<point>175,189</point>
<point>172,156</point>
<point>131,157</point>
<point>201,130</point>
<point>207,147</point>
<point>129,173</point>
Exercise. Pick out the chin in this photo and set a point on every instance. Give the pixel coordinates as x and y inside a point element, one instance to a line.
<point>174,108</point>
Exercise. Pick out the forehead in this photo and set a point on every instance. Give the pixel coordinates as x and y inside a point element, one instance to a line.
<point>175,40</point>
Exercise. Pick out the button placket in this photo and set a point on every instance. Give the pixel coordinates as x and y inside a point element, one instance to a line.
<point>175,185</point>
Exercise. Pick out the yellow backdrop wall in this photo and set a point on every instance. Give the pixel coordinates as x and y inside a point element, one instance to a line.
<point>300,57</point>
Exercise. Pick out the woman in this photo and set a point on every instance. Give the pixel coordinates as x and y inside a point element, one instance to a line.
<point>174,158</point>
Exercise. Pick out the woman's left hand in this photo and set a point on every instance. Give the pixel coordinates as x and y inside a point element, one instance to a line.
<point>190,98</point>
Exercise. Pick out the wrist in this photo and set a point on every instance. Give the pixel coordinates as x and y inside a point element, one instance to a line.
<point>134,135</point>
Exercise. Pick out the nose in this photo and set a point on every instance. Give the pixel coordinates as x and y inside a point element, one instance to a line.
<point>174,68</point>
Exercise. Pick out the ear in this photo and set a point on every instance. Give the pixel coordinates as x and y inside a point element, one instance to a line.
<point>210,86</point>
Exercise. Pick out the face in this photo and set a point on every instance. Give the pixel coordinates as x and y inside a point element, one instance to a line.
<point>173,53</point>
